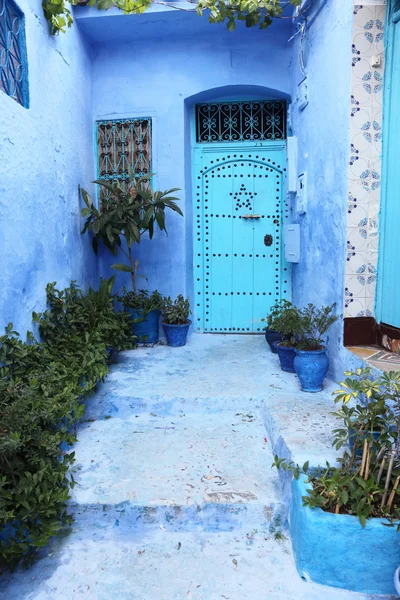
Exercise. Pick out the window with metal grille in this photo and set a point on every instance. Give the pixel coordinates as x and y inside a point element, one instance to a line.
<point>241,121</point>
<point>123,142</point>
<point>13,63</point>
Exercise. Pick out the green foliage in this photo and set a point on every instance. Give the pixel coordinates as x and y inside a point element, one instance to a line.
<point>367,482</point>
<point>143,301</point>
<point>41,391</point>
<point>176,312</point>
<point>313,324</point>
<point>253,12</point>
<point>284,318</point>
<point>301,327</point>
<point>132,209</point>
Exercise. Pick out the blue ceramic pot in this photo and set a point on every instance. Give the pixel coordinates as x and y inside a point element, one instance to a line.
<point>147,329</point>
<point>286,357</point>
<point>271,337</point>
<point>176,334</point>
<point>311,367</point>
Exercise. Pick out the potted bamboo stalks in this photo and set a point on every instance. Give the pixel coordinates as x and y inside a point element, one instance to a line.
<point>344,518</point>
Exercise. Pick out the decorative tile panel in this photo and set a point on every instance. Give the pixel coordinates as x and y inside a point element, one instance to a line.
<point>364,158</point>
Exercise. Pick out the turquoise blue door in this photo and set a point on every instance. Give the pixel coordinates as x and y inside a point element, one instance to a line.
<point>388,301</point>
<point>239,268</point>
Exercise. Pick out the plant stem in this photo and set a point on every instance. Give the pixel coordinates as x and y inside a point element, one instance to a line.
<point>364,457</point>
<point>381,469</point>
<point>133,273</point>
<point>388,476</point>
<point>391,497</point>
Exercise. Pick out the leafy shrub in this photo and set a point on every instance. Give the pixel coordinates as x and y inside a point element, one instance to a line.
<point>176,312</point>
<point>284,318</point>
<point>142,301</point>
<point>367,483</point>
<point>41,390</point>
<point>313,323</point>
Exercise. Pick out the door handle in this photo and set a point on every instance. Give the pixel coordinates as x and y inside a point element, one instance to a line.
<point>250,216</point>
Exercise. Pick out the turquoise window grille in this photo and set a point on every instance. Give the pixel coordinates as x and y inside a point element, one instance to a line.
<point>123,142</point>
<point>13,62</point>
<point>241,121</point>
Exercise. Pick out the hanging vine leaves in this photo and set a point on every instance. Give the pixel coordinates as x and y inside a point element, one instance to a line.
<point>252,12</point>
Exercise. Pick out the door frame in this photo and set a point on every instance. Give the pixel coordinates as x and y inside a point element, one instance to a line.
<point>392,20</point>
<point>197,148</point>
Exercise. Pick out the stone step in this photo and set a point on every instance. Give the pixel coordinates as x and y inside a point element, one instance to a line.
<point>125,563</point>
<point>182,459</point>
<point>212,517</point>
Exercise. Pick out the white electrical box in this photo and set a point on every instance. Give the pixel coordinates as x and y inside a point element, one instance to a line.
<point>301,198</point>
<point>291,164</point>
<point>302,94</point>
<point>291,238</point>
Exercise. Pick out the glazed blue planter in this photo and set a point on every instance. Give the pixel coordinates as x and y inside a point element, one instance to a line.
<point>336,550</point>
<point>147,329</point>
<point>311,367</point>
<point>286,357</point>
<point>271,337</point>
<point>176,334</point>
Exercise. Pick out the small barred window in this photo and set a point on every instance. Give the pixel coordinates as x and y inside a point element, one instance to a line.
<point>13,63</point>
<point>123,142</point>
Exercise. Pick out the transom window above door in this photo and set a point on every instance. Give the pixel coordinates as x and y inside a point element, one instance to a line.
<point>250,121</point>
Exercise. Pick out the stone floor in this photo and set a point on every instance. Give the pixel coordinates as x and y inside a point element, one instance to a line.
<point>175,498</point>
<point>377,357</point>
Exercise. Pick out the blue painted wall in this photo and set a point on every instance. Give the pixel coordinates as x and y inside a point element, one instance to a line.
<point>161,66</point>
<point>322,129</point>
<point>45,152</point>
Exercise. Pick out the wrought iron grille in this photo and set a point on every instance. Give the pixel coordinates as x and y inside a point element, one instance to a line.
<point>13,67</point>
<point>241,121</point>
<point>121,143</point>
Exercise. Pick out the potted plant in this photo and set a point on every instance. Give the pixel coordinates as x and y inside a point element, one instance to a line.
<point>371,415</point>
<point>355,506</point>
<point>144,309</point>
<point>176,321</point>
<point>271,334</point>
<point>132,209</point>
<point>285,322</point>
<point>311,362</point>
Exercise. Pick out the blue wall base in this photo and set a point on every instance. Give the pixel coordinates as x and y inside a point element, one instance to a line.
<point>336,550</point>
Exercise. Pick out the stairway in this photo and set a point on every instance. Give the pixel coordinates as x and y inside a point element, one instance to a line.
<point>175,496</point>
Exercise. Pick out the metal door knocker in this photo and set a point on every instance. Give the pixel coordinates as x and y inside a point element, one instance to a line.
<point>268,240</point>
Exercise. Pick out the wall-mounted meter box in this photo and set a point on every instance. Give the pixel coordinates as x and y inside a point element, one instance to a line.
<point>301,198</point>
<point>291,237</point>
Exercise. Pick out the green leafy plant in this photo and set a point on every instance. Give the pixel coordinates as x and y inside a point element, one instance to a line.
<point>42,385</point>
<point>143,301</point>
<point>132,210</point>
<point>313,323</point>
<point>252,12</point>
<point>367,482</point>
<point>284,318</point>
<point>275,314</point>
<point>176,312</point>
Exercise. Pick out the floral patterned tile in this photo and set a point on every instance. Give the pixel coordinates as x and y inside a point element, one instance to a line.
<point>356,214</point>
<point>355,259</point>
<point>357,308</point>
<point>358,194</point>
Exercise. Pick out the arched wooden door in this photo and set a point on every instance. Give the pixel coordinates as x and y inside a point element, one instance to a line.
<point>239,208</point>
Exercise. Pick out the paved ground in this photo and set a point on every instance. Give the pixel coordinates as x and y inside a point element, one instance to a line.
<point>175,498</point>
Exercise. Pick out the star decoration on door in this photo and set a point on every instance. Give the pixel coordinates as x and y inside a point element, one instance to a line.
<point>243,198</point>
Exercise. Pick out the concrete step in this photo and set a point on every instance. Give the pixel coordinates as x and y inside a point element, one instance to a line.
<point>116,561</point>
<point>211,466</point>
